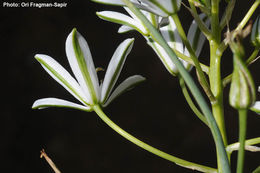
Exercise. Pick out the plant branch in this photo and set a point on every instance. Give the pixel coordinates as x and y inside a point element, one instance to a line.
<point>199,22</point>
<point>190,102</point>
<point>149,148</point>
<point>227,14</point>
<point>50,162</point>
<point>204,67</point>
<point>241,25</point>
<point>248,143</point>
<point>202,78</point>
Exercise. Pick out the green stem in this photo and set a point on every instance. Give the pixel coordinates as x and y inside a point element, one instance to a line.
<point>204,67</point>
<point>235,146</point>
<point>149,148</point>
<point>242,136</point>
<point>201,75</point>
<point>247,17</point>
<point>241,25</point>
<point>215,75</point>
<point>190,102</point>
<point>227,14</point>
<point>199,22</point>
<point>191,85</point>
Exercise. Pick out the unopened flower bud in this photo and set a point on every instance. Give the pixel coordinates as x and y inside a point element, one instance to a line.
<point>242,89</point>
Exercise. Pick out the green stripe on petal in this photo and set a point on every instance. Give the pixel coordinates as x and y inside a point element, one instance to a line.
<point>122,19</point>
<point>62,76</point>
<point>126,85</point>
<point>81,63</point>
<point>54,102</point>
<point>114,68</point>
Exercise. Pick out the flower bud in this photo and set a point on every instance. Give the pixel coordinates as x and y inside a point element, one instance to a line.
<point>242,89</point>
<point>255,35</point>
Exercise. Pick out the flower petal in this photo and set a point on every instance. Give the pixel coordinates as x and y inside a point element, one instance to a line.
<point>122,19</point>
<point>256,107</point>
<point>62,76</point>
<point>81,63</point>
<point>126,85</point>
<point>114,68</point>
<point>54,102</point>
<point>125,29</point>
<point>195,36</point>
<point>163,8</point>
<point>153,8</point>
<point>166,60</point>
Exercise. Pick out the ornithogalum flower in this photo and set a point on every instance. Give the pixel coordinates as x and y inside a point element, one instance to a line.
<point>162,8</point>
<point>86,87</point>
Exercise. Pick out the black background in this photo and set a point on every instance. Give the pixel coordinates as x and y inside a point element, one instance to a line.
<point>155,111</point>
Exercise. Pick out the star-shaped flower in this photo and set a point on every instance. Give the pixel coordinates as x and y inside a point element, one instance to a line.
<point>86,87</point>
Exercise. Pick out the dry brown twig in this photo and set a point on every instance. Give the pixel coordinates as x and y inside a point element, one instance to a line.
<point>50,162</point>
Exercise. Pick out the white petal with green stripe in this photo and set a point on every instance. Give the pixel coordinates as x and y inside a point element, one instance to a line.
<point>123,20</point>
<point>114,68</point>
<point>54,102</point>
<point>126,85</point>
<point>82,65</point>
<point>166,60</point>
<point>62,76</point>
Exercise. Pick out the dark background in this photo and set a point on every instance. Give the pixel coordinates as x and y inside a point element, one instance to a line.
<point>155,111</point>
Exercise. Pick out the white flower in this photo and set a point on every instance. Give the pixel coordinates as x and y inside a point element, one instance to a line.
<point>162,8</point>
<point>86,87</point>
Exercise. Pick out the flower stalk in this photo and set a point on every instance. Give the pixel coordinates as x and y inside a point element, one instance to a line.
<point>242,137</point>
<point>149,148</point>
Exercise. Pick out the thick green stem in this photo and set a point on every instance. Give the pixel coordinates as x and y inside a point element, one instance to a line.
<point>149,148</point>
<point>242,138</point>
<point>215,75</point>
<point>191,85</point>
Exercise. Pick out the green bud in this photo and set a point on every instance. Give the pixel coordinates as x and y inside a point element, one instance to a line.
<point>255,34</point>
<point>242,89</point>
